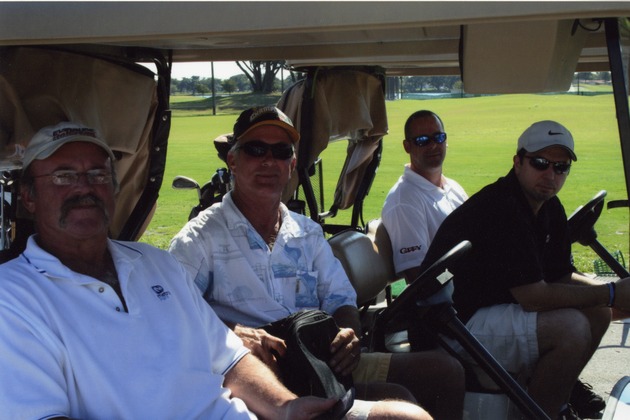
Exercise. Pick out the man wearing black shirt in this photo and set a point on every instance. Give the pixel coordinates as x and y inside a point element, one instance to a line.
<point>517,290</point>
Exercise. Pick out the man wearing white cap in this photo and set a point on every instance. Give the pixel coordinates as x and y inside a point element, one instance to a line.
<point>97,328</point>
<point>517,289</point>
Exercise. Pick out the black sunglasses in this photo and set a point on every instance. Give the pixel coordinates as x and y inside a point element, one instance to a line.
<point>424,139</point>
<point>257,148</point>
<point>542,164</point>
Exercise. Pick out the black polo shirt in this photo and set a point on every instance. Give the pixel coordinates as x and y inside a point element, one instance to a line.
<point>510,245</point>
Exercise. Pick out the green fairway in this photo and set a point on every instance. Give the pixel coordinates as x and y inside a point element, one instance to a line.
<point>482,134</point>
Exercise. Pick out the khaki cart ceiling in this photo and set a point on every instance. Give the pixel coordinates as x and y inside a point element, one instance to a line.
<point>405,38</point>
<point>496,47</point>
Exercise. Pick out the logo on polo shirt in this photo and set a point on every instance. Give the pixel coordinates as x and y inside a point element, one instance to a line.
<point>160,292</point>
<point>410,249</point>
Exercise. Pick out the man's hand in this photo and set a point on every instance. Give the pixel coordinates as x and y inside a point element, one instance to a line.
<point>346,351</point>
<point>261,344</point>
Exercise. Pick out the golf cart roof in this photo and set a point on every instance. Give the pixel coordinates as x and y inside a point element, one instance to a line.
<point>497,47</point>
<point>482,40</point>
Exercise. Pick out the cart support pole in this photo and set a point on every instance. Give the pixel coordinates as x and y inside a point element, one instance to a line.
<point>447,317</point>
<point>620,92</point>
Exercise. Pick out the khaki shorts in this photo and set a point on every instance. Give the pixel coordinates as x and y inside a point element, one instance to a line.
<point>373,367</point>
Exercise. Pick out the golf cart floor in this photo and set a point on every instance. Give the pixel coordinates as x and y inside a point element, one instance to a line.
<point>611,361</point>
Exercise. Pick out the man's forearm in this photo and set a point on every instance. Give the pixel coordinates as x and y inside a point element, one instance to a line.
<point>254,383</point>
<point>543,296</point>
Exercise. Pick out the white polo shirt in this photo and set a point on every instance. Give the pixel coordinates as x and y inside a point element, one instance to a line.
<point>67,349</point>
<point>413,211</point>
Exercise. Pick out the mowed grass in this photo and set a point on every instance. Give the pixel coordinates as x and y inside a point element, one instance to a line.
<point>482,135</point>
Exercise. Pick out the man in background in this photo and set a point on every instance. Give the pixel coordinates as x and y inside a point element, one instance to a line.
<point>423,197</point>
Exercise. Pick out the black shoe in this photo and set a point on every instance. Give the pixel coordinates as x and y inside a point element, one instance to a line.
<point>587,403</point>
<point>568,414</point>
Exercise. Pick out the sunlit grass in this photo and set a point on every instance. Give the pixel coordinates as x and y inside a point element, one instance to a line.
<point>482,140</point>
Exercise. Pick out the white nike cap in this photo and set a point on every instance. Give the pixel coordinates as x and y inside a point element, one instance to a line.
<point>545,134</point>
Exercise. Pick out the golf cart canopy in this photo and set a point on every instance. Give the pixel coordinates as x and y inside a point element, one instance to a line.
<point>497,47</point>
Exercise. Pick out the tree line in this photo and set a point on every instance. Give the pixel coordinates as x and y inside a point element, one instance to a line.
<point>262,77</point>
<point>257,77</point>
<point>197,85</point>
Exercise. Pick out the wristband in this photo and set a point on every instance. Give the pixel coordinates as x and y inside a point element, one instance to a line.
<point>611,289</point>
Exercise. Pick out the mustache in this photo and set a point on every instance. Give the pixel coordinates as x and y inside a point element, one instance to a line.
<point>81,201</point>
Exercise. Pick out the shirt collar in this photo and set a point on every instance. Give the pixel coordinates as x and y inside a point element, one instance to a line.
<point>235,219</point>
<point>424,183</point>
<point>48,264</point>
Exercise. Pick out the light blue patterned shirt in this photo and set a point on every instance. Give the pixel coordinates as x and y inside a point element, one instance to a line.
<point>250,284</point>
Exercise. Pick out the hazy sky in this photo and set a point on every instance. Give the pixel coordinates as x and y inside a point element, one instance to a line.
<point>222,70</point>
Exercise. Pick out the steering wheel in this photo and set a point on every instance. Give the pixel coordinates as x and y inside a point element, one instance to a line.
<point>581,223</point>
<point>431,281</point>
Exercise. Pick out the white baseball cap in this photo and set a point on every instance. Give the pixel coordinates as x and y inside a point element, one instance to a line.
<point>47,140</point>
<point>543,134</point>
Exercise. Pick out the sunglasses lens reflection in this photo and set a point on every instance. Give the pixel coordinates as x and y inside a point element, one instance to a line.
<point>257,149</point>
<point>542,164</point>
<point>423,140</point>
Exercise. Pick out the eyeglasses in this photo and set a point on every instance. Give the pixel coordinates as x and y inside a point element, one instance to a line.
<point>424,139</point>
<point>257,148</point>
<point>542,164</point>
<point>68,177</point>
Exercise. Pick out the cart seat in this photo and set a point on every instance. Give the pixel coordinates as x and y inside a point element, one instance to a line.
<point>367,260</point>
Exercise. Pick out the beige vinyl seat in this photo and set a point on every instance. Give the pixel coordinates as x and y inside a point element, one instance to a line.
<point>367,260</point>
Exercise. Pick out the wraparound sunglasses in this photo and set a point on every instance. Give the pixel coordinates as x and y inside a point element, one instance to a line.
<point>542,164</point>
<point>424,139</point>
<point>258,148</point>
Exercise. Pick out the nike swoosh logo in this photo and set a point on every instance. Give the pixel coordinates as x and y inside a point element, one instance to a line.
<point>551,133</point>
